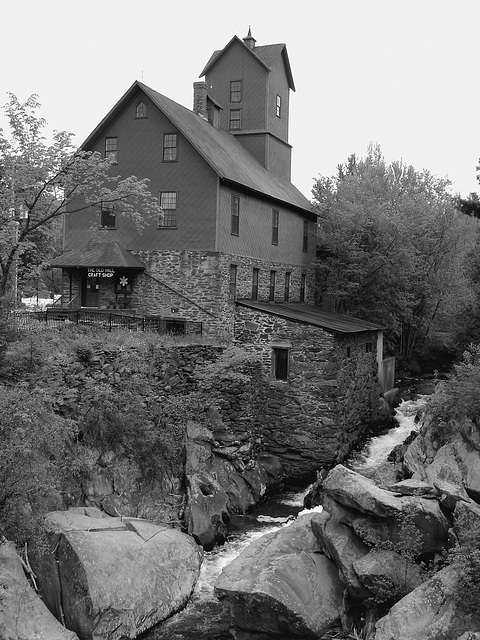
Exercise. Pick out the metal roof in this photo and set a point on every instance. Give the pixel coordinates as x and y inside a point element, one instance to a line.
<point>314,316</point>
<point>101,255</point>
<point>220,149</point>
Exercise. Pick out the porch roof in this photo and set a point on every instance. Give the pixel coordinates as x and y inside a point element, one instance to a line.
<point>311,315</point>
<point>102,255</point>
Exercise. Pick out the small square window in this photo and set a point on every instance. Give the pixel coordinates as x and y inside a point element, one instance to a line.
<point>368,347</point>
<point>235,119</point>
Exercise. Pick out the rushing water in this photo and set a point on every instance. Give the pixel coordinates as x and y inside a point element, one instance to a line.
<point>206,618</point>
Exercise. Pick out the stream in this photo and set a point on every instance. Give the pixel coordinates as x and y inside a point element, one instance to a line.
<point>205,618</point>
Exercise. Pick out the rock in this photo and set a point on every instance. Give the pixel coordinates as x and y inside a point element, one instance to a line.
<point>23,615</point>
<point>381,512</point>
<point>427,613</point>
<point>449,494</point>
<point>388,575</point>
<point>411,487</point>
<point>206,515</point>
<point>281,585</point>
<point>114,578</point>
<point>340,543</point>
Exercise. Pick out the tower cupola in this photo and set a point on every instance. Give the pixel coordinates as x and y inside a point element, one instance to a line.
<point>249,40</point>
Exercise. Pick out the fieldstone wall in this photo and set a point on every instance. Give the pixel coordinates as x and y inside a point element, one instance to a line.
<point>311,420</point>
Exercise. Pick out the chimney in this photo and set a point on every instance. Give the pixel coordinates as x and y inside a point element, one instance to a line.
<point>200,99</point>
<point>249,40</point>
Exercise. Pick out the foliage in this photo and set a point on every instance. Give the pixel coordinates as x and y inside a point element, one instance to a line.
<point>392,248</point>
<point>33,462</point>
<point>459,392</point>
<point>39,181</point>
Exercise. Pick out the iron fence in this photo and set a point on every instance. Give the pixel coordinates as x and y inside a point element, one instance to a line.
<point>109,321</point>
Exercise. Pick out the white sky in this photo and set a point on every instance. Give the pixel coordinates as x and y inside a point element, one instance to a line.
<point>401,73</point>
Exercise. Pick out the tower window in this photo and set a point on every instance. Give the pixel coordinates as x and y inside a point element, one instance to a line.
<point>169,147</point>
<point>236,91</point>
<point>275,216</point>
<point>235,120</point>
<point>279,106</point>
<point>141,110</point>
<point>111,148</point>
<point>235,218</point>
<point>168,203</point>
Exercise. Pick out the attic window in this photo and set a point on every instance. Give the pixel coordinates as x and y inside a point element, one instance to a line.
<point>236,91</point>
<point>141,110</point>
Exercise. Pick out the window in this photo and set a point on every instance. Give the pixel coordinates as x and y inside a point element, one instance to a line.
<point>349,352</point>
<point>236,91</point>
<point>255,275</point>
<point>233,282</point>
<point>235,219</point>
<point>368,347</point>
<point>271,296</point>
<point>275,226</point>
<point>107,216</point>
<point>168,203</point>
<point>111,148</point>
<point>169,147</point>
<point>141,110</point>
<point>286,296</point>
<point>235,121</point>
<point>303,283</point>
<point>279,106</point>
<point>175,327</point>
<point>280,358</point>
<point>305,235</point>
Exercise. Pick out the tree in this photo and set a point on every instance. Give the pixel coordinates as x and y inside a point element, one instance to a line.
<point>38,181</point>
<point>391,247</point>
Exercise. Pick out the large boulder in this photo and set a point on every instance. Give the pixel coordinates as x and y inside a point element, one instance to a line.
<point>341,544</point>
<point>114,578</point>
<point>427,613</point>
<point>387,515</point>
<point>387,574</point>
<point>281,585</point>
<point>23,615</point>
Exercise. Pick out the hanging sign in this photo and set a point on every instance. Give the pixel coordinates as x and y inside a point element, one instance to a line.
<point>100,272</point>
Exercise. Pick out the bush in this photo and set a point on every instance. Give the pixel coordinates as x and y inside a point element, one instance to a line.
<point>459,393</point>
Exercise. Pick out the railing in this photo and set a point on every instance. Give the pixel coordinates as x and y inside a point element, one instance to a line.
<point>107,320</point>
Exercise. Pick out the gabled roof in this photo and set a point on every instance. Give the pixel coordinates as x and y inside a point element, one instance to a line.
<point>314,316</point>
<point>101,255</point>
<point>266,55</point>
<point>221,150</point>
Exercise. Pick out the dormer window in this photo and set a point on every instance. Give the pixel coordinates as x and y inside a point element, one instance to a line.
<point>236,91</point>
<point>141,110</point>
<point>279,106</point>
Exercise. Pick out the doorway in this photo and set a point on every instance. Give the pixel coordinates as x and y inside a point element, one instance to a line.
<point>91,292</point>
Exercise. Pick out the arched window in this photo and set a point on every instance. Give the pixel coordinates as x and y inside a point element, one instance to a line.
<point>141,110</point>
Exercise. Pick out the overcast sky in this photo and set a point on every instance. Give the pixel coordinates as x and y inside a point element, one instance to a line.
<point>400,73</point>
